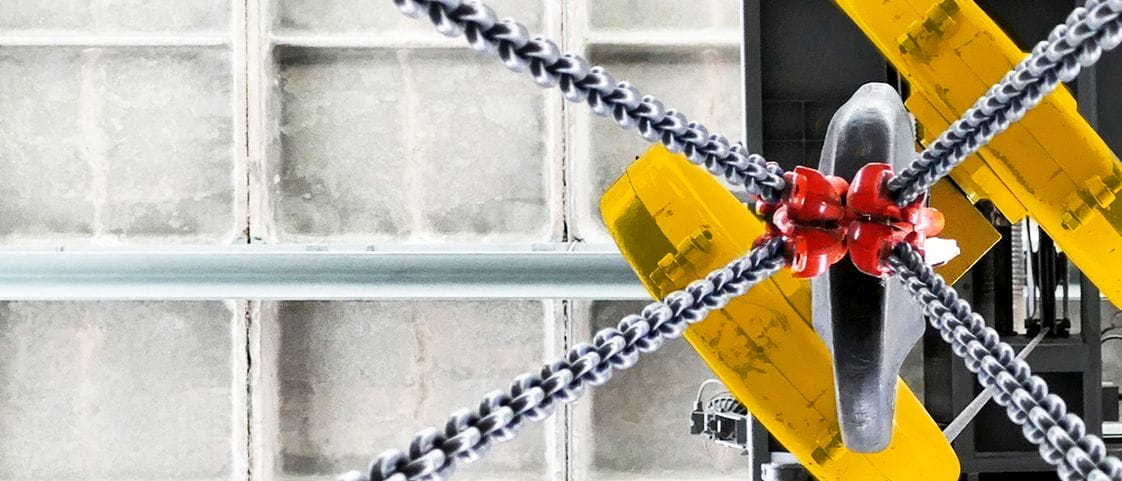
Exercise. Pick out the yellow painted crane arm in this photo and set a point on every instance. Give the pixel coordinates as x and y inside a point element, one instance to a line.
<point>674,223</point>
<point>1051,165</point>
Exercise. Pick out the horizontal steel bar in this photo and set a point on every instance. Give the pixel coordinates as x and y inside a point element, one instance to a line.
<point>967,415</point>
<point>62,39</point>
<point>688,39</point>
<point>1112,430</point>
<point>396,40</point>
<point>315,273</point>
<point>423,39</point>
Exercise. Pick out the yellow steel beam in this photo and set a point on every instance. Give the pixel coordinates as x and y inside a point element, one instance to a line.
<point>675,223</point>
<point>1051,166</point>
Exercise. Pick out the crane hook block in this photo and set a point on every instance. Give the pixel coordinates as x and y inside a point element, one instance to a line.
<point>869,323</point>
<point>674,223</point>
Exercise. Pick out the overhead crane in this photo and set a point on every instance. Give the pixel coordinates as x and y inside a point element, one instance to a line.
<point>810,363</point>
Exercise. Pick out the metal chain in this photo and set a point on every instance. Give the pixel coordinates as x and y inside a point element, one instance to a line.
<point>1079,42</point>
<point>579,82</point>
<point>1061,436</point>
<point>532,396</point>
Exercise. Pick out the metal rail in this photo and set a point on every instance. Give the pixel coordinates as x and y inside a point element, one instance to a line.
<point>317,273</point>
<point>1061,435</point>
<point>534,396</point>
<point>967,415</point>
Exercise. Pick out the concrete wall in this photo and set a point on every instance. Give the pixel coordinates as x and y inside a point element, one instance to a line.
<point>134,123</point>
<point>142,123</point>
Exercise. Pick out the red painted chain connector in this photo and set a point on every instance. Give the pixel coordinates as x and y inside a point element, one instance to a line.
<point>821,217</point>
<point>811,218</point>
<point>879,224</point>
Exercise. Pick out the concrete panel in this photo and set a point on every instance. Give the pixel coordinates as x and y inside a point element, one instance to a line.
<point>362,16</point>
<point>115,16</point>
<point>702,83</point>
<point>408,145</point>
<point>138,144</point>
<point>39,132</point>
<point>119,391</point>
<point>637,426</point>
<point>647,15</point>
<point>357,378</point>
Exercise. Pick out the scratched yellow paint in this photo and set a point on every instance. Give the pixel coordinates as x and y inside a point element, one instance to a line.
<point>1051,165</point>
<point>675,223</point>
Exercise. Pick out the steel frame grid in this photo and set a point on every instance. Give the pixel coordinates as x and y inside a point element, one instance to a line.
<point>65,272</point>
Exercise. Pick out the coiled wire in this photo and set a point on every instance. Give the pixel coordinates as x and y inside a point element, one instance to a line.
<point>1078,42</point>
<point>724,403</point>
<point>468,434</point>
<point>1060,435</point>
<point>594,85</point>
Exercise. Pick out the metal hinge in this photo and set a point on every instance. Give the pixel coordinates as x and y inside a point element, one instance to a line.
<point>1097,193</point>
<point>689,252</point>
<point>936,23</point>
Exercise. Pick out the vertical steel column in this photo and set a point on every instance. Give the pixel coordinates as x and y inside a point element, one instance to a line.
<point>1046,279</point>
<point>759,451</point>
<point>1090,303</point>
<point>752,68</point>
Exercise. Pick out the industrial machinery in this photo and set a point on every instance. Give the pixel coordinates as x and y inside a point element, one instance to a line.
<point>808,342</point>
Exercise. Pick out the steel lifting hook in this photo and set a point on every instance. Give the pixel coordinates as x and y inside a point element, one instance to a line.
<point>868,322</point>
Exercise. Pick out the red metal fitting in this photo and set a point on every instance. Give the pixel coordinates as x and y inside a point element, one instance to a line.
<point>868,194</point>
<point>814,197</point>
<point>809,251</point>
<point>811,217</point>
<point>868,244</point>
<point>879,224</point>
<point>812,250</point>
<point>821,217</point>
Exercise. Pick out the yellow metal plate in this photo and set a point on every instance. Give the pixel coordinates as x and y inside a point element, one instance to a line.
<point>675,223</point>
<point>1051,165</point>
<point>968,227</point>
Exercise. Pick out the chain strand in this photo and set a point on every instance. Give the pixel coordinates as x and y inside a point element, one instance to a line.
<point>1060,435</point>
<point>1077,43</point>
<point>594,85</point>
<point>468,434</point>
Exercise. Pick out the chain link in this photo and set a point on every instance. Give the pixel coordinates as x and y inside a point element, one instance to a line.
<point>1079,42</point>
<point>468,434</point>
<point>1060,435</point>
<point>594,85</point>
